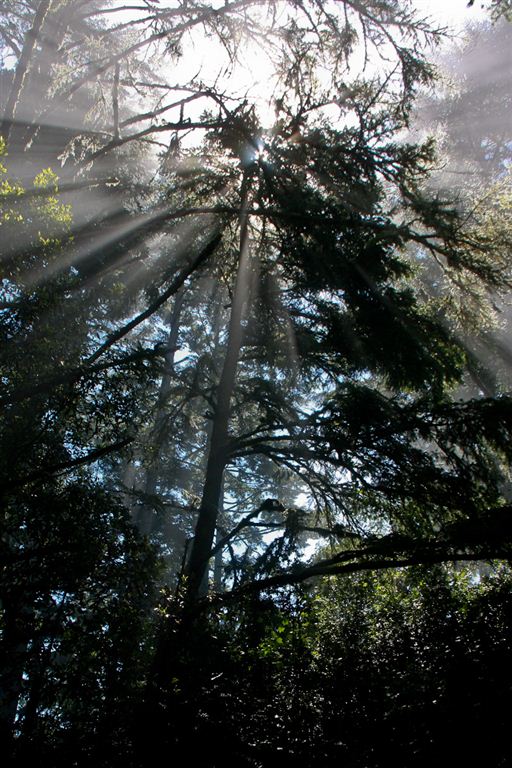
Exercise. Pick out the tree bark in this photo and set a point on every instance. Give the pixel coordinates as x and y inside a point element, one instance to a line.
<point>13,652</point>
<point>115,102</point>
<point>23,67</point>
<point>217,568</point>
<point>147,518</point>
<point>218,448</point>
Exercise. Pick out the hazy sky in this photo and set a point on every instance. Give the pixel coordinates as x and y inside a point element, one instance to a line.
<point>452,12</point>
<point>255,71</point>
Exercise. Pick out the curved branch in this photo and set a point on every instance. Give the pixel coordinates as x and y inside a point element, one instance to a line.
<point>384,562</point>
<point>53,469</point>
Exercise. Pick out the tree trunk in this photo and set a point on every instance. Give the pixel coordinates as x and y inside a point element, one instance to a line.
<point>217,567</point>
<point>218,448</point>
<point>56,25</point>
<point>148,520</point>
<point>23,67</point>
<point>13,653</point>
<point>115,103</point>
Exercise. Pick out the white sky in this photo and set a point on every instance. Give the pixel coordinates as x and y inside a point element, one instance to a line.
<point>450,12</point>
<point>254,75</point>
<point>205,58</point>
<point>209,57</point>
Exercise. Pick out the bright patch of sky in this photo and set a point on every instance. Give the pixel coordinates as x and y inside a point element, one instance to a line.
<point>452,13</point>
<point>206,60</point>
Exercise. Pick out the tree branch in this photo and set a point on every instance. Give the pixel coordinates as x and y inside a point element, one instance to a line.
<point>176,284</point>
<point>397,560</point>
<point>80,372</point>
<point>52,469</point>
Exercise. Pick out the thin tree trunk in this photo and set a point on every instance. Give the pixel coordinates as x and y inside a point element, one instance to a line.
<point>56,25</point>
<point>218,448</point>
<point>13,654</point>
<point>217,567</point>
<point>23,67</point>
<point>147,518</point>
<point>129,482</point>
<point>174,636</point>
<point>115,102</point>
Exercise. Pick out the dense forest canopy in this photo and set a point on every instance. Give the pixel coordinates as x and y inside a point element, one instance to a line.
<point>256,414</point>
